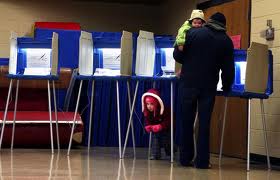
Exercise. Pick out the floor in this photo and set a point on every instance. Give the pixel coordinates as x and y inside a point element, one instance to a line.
<point>104,164</point>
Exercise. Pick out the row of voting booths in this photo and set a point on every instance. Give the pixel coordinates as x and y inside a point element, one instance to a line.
<point>117,68</point>
<point>32,59</point>
<point>97,56</point>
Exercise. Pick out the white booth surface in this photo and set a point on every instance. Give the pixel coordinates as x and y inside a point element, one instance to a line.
<point>86,54</point>
<point>145,54</point>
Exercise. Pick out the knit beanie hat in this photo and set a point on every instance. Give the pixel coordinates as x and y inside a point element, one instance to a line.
<point>197,14</point>
<point>152,96</point>
<point>219,17</point>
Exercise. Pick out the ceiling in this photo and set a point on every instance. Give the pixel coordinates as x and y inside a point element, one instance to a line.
<point>146,2</point>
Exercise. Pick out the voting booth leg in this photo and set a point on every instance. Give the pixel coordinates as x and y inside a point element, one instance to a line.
<point>14,119</point>
<point>248,135</point>
<point>74,119</point>
<point>56,120</point>
<point>223,130</point>
<point>130,118</point>
<point>50,114</point>
<point>90,114</point>
<point>150,134</point>
<point>51,167</point>
<point>132,127</point>
<point>265,135</point>
<point>172,116</point>
<point>5,113</point>
<point>119,119</point>
<point>150,145</point>
<point>194,135</point>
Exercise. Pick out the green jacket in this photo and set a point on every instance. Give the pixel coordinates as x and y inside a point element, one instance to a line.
<point>181,36</point>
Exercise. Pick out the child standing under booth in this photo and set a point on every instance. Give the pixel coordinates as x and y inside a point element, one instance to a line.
<point>158,121</point>
<point>196,20</point>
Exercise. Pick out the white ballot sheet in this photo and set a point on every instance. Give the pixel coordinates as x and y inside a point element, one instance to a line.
<point>38,58</point>
<point>37,71</point>
<point>106,72</point>
<point>111,58</point>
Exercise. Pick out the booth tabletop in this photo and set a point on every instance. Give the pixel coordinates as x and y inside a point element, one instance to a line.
<point>83,77</point>
<point>155,78</point>
<point>246,95</point>
<point>32,77</point>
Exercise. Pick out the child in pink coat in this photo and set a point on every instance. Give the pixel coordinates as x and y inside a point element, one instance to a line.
<point>157,121</point>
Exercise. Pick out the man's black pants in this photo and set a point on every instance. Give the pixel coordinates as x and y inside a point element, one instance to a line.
<point>190,100</point>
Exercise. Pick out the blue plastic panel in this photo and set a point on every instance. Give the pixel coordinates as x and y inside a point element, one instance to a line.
<point>68,45</point>
<point>4,61</point>
<point>238,86</point>
<point>104,40</point>
<point>25,43</point>
<point>162,42</point>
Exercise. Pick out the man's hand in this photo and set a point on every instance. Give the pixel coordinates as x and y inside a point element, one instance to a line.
<point>180,48</point>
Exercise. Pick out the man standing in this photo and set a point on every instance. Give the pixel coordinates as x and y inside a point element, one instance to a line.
<point>207,50</point>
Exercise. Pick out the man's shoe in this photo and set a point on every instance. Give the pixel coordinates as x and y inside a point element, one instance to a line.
<point>203,166</point>
<point>186,163</point>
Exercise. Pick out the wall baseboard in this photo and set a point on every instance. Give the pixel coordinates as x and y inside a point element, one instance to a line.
<point>262,159</point>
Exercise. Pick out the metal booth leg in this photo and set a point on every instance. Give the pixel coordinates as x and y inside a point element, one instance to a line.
<point>5,113</point>
<point>74,119</point>
<point>56,120</point>
<point>119,119</point>
<point>50,114</point>
<point>265,135</point>
<point>249,134</point>
<point>223,131</point>
<point>130,118</point>
<point>172,115</point>
<point>132,127</point>
<point>15,113</point>
<point>90,115</point>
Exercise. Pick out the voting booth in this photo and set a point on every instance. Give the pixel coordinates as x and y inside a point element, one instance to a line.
<point>113,53</point>
<point>164,55</point>
<point>154,63</point>
<point>32,59</point>
<point>104,56</point>
<point>29,56</point>
<point>253,79</point>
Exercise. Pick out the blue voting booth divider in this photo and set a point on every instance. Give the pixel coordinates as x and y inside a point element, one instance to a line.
<point>68,45</point>
<point>4,61</point>
<point>238,88</point>
<point>105,117</point>
<point>25,43</point>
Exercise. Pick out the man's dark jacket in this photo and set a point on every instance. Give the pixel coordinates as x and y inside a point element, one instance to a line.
<point>206,51</point>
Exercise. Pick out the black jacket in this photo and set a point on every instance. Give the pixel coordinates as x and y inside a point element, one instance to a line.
<point>207,50</point>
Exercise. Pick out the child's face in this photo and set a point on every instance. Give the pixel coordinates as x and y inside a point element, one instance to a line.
<point>197,23</point>
<point>150,106</point>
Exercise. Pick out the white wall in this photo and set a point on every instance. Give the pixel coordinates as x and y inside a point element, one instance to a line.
<point>261,11</point>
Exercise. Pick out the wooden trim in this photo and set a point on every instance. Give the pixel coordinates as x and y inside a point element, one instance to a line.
<point>211,3</point>
<point>250,19</point>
